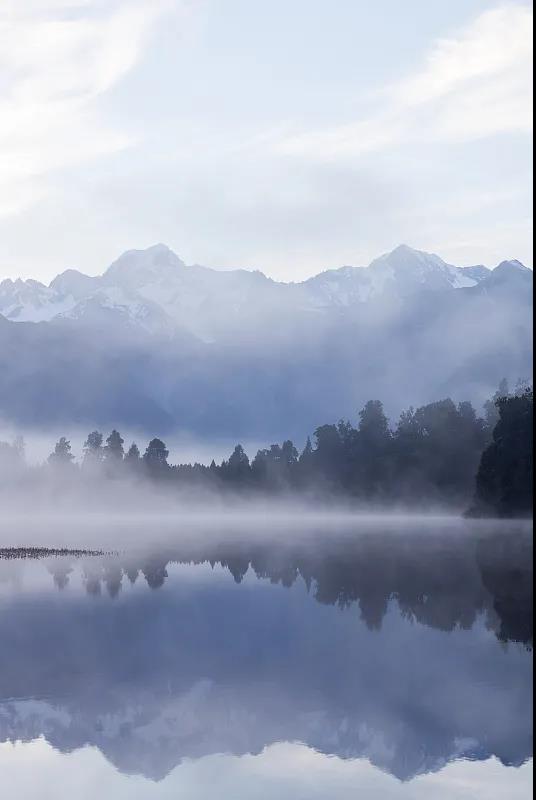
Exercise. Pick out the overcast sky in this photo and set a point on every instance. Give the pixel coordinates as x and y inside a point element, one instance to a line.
<point>285,135</point>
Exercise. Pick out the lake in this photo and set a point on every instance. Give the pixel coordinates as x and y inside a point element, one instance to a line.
<point>386,659</point>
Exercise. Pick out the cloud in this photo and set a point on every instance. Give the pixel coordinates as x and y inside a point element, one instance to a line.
<point>471,86</point>
<point>57,58</point>
<point>285,770</point>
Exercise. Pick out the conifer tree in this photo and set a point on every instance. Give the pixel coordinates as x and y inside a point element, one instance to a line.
<point>307,452</point>
<point>504,482</point>
<point>133,457</point>
<point>155,456</point>
<point>114,450</point>
<point>93,449</point>
<point>62,454</point>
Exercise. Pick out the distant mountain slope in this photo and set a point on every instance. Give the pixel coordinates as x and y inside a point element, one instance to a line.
<point>141,282</point>
<point>155,344</point>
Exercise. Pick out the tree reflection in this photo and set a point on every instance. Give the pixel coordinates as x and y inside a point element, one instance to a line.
<point>199,666</point>
<point>443,583</point>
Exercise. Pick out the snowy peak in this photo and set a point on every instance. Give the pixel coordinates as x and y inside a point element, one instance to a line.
<point>407,258</point>
<point>155,290</point>
<point>114,306</point>
<point>138,267</point>
<point>400,273</point>
<point>30,301</point>
<point>512,275</point>
<point>478,272</point>
<point>404,270</point>
<point>511,267</point>
<point>74,283</point>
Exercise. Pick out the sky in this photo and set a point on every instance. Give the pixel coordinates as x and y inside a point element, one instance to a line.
<point>286,770</point>
<point>289,136</point>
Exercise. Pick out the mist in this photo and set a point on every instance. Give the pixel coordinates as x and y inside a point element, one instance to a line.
<point>426,596</point>
<point>265,533</point>
<point>161,348</point>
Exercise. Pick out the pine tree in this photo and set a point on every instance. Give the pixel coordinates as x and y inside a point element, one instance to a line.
<point>373,450</point>
<point>155,456</point>
<point>62,455</point>
<point>237,469</point>
<point>114,450</point>
<point>93,449</point>
<point>133,457</point>
<point>491,410</point>
<point>307,452</point>
<point>504,482</point>
<point>289,454</point>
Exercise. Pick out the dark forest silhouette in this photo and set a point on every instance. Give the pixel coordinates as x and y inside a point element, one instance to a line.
<point>439,455</point>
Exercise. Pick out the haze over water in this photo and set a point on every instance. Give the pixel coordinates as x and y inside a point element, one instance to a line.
<point>388,658</point>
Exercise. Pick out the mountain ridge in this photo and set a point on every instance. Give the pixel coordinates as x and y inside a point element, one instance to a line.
<point>155,289</point>
<point>237,355</point>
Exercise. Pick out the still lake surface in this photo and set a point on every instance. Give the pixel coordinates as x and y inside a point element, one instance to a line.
<point>387,661</point>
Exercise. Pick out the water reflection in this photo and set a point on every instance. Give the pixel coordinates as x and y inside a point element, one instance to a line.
<point>410,651</point>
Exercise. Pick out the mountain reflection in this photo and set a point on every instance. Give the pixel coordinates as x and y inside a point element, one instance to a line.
<point>409,650</point>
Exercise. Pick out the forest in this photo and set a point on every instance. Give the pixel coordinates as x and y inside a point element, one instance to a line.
<point>442,455</point>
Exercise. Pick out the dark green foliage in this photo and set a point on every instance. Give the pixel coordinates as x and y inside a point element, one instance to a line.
<point>155,457</point>
<point>437,449</point>
<point>93,449</point>
<point>491,412</point>
<point>62,453</point>
<point>237,469</point>
<point>429,460</point>
<point>505,475</point>
<point>328,453</point>
<point>307,452</point>
<point>274,468</point>
<point>133,457</point>
<point>114,451</point>
<point>373,450</point>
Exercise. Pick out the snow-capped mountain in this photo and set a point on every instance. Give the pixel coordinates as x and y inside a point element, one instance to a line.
<point>402,272</point>
<point>31,301</point>
<point>154,289</point>
<point>162,346</point>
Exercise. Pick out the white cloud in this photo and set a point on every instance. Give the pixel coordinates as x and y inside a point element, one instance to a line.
<point>471,86</point>
<point>57,58</point>
<point>285,770</point>
<point>282,183</point>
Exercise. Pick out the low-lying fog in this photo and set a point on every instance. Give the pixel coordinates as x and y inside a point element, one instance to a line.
<point>276,523</point>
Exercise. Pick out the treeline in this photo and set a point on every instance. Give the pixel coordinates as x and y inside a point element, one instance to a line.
<point>504,482</point>
<point>429,458</point>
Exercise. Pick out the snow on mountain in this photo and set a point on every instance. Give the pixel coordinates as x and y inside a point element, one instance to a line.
<point>115,304</point>
<point>509,272</point>
<point>155,290</point>
<point>399,273</point>
<point>405,269</point>
<point>137,268</point>
<point>479,272</point>
<point>31,301</point>
<point>194,297</point>
<point>75,284</point>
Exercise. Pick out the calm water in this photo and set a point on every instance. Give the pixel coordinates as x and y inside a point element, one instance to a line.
<point>380,662</point>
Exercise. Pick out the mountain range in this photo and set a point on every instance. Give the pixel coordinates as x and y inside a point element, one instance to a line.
<point>157,345</point>
<point>155,290</point>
